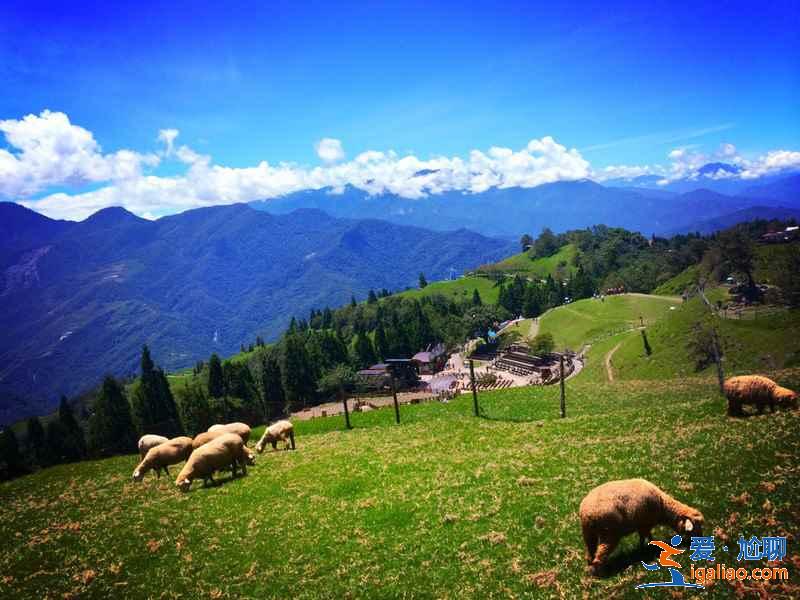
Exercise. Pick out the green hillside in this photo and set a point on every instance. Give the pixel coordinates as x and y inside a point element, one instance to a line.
<point>462,287</point>
<point>523,264</point>
<point>586,320</point>
<point>771,341</point>
<point>445,502</point>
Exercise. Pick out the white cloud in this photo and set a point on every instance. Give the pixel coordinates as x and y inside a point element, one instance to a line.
<point>47,150</point>
<point>330,150</point>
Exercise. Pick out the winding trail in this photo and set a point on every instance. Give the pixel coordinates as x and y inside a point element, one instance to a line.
<point>609,368</point>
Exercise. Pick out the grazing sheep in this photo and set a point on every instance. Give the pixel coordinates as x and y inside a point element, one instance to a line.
<point>279,430</point>
<point>241,429</point>
<point>159,457</point>
<point>148,441</point>
<point>227,450</point>
<point>757,390</point>
<point>617,508</point>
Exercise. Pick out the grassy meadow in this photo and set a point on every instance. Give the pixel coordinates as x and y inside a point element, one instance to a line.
<point>444,505</point>
<point>523,264</point>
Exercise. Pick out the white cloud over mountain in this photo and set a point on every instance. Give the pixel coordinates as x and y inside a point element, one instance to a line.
<point>47,151</point>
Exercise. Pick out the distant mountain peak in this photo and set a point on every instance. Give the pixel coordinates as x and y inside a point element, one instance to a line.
<point>111,216</point>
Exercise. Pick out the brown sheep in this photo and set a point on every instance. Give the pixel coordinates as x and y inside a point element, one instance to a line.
<point>617,508</point>
<point>226,450</point>
<point>148,441</point>
<point>280,430</point>
<point>159,457</point>
<point>758,390</point>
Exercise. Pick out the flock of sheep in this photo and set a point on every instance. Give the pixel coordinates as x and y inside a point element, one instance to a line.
<point>221,447</point>
<point>608,513</point>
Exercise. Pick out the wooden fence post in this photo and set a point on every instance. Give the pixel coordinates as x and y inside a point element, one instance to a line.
<point>474,389</point>
<point>563,391</point>
<point>396,405</point>
<point>346,413</point>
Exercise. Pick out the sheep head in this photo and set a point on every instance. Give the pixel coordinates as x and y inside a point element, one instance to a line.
<point>184,484</point>
<point>785,397</point>
<point>138,475</point>
<point>690,523</point>
<point>260,446</point>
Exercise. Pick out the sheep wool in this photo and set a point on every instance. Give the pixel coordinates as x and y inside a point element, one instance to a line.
<point>757,390</point>
<point>148,441</point>
<point>278,431</point>
<point>226,450</point>
<point>158,458</point>
<point>618,508</point>
<point>241,429</point>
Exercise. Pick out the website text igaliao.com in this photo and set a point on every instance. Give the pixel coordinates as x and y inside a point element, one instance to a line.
<point>705,575</point>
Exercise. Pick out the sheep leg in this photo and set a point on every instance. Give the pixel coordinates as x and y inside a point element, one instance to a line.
<point>604,550</point>
<point>291,437</point>
<point>644,537</point>
<point>591,544</point>
<point>166,471</point>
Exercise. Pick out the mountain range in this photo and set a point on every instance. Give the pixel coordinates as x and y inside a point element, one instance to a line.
<point>78,299</point>
<point>638,204</point>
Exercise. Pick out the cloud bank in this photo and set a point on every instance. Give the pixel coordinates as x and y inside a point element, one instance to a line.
<point>47,151</point>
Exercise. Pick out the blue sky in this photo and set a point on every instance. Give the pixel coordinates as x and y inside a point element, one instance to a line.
<point>622,84</point>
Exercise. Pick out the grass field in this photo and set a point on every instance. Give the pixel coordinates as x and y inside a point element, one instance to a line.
<point>444,505</point>
<point>584,321</point>
<point>522,264</point>
<point>462,288</point>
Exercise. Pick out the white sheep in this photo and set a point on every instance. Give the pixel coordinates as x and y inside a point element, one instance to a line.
<point>226,450</point>
<point>280,430</point>
<point>617,508</point>
<point>159,457</point>
<point>148,441</point>
<point>241,429</point>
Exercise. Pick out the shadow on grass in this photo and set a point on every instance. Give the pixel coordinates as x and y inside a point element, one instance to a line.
<point>622,560</point>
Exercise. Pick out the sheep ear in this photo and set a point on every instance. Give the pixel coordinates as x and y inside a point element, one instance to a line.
<point>689,526</point>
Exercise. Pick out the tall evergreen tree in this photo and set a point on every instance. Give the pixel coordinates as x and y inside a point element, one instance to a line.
<point>371,297</point>
<point>363,352</point>
<point>216,381</point>
<point>423,283</point>
<point>476,298</point>
<point>64,439</point>
<point>36,441</point>
<point>381,344</point>
<point>194,408</point>
<point>11,461</point>
<point>267,370</point>
<point>153,404</point>
<point>297,374</point>
<point>111,428</point>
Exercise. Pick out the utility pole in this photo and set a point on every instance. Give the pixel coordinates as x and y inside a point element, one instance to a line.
<point>346,413</point>
<point>396,405</point>
<point>563,390</point>
<point>474,389</point>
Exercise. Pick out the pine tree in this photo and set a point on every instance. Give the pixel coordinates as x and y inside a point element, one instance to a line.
<point>194,408</point>
<point>423,283</point>
<point>297,374</point>
<point>152,402</point>
<point>372,298</point>
<point>111,427</point>
<point>36,441</point>
<point>216,382</point>
<point>381,345</point>
<point>363,352</point>
<point>476,298</point>
<point>267,370</point>
<point>64,440</point>
<point>11,462</point>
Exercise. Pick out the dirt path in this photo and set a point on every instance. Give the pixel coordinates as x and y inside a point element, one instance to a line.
<point>609,368</point>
